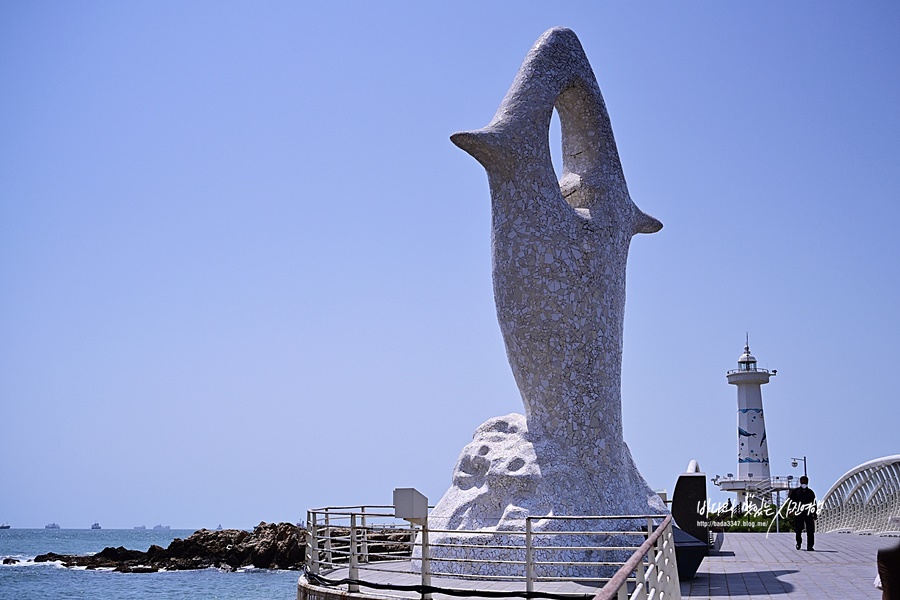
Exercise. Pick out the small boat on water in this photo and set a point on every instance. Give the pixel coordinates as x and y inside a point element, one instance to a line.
<point>219,528</point>
<point>141,527</point>
<point>51,526</point>
<point>4,526</point>
<point>161,527</point>
<point>96,525</point>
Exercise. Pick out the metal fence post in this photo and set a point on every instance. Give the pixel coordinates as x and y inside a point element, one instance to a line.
<point>641,582</point>
<point>674,581</point>
<point>354,559</point>
<point>328,557</point>
<point>778,511</point>
<point>529,557</point>
<point>364,552</point>
<point>312,547</point>
<point>426,561</point>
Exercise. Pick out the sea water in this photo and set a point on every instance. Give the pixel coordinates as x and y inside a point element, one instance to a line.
<point>28,580</point>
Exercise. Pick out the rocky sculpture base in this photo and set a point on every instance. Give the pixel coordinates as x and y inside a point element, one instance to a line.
<point>507,474</point>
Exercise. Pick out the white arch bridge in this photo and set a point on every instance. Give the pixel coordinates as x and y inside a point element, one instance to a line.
<point>865,500</point>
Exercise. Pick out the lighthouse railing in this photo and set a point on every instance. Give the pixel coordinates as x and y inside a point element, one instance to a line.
<point>750,370</point>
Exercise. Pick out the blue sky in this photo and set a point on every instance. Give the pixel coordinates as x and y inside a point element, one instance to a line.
<point>246,273</point>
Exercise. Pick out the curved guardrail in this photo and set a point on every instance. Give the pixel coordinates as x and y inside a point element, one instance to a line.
<point>865,500</point>
<point>753,370</point>
<point>370,538</point>
<point>658,580</point>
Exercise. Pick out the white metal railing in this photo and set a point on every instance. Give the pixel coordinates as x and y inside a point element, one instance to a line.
<point>750,370</point>
<point>345,536</point>
<point>865,499</point>
<point>659,580</point>
<point>369,538</point>
<point>762,484</point>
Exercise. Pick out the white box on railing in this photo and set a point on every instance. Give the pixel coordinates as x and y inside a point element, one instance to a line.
<point>410,504</point>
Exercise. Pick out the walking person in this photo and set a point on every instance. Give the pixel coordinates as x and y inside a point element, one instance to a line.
<point>889,572</point>
<point>802,505</point>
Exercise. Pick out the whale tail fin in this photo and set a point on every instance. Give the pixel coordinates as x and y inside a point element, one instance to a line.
<point>483,144</point>
<point>644,223</point>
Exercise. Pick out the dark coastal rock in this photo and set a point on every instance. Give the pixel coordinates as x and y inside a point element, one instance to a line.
<point>10,561</point>
<point>51,557</point>
<point>268,546</point>
<point>120,554</point>
<point>276,546</point>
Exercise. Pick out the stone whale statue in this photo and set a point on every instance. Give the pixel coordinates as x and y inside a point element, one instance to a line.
<point>559,251</point>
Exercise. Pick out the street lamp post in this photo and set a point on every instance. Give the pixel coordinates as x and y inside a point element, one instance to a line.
<point>794,463</point>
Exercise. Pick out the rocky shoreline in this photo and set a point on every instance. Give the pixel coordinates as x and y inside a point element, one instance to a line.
<point>268,546</point>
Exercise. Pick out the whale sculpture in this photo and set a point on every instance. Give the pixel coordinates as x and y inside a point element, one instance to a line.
<point>559,252</point>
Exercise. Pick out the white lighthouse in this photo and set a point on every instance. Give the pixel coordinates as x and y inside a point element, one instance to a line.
<point>753,478</point>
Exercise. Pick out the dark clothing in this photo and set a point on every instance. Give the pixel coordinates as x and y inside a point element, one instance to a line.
<point>802,500</point>
<point>889,571</point>
<point>802,507</point>
<point>801,521</point>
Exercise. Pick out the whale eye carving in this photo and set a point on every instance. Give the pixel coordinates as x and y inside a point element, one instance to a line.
<point>516,464</point>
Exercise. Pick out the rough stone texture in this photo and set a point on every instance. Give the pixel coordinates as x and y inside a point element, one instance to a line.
<point>559,251</point>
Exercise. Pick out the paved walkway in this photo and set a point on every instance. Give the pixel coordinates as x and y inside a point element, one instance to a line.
<point>398,573</point>
<point>750,566</point>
